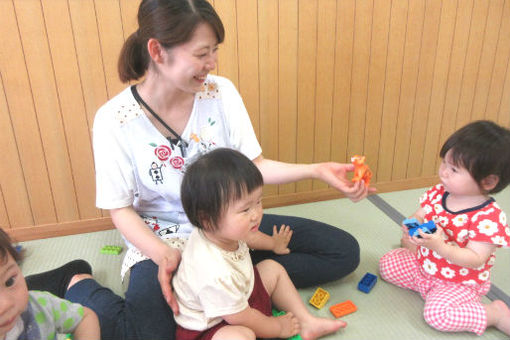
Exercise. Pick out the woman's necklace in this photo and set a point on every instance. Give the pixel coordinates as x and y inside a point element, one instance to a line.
<point>181,143</point>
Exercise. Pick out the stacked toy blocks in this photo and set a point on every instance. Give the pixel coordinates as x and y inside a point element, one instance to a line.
<point>319,298</point>
<point>413,225</point>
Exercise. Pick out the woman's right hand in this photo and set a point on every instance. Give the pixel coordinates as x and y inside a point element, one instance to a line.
<point>167,266</point>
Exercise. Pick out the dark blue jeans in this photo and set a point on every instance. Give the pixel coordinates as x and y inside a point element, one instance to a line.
<point>319,253</point>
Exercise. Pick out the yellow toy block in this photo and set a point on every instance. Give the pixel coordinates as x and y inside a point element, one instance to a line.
<point>319,298</point>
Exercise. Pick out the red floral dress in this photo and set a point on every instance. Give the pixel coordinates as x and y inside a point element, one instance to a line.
<point>484,223</point>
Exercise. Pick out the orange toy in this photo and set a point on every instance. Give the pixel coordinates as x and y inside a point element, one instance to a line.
<point>343,308</point>
<point>361,170</point>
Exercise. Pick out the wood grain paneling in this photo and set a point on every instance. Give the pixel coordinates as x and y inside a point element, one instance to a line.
<point>322,80</point>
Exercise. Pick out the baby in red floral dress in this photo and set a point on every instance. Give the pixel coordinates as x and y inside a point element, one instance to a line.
<point>451,267</point>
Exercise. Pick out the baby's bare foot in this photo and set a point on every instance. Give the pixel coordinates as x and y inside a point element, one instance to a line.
<point>318,327</point>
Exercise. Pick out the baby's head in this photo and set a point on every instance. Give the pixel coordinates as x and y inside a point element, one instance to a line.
<point>482,148</point>
<point>213,182</point>
<point>13,289</point>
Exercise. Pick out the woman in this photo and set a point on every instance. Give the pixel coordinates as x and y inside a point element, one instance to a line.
<point>146,136</point>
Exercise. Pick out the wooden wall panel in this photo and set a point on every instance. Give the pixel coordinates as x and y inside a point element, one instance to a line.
<point>321,79</point>
<point>46,104</point>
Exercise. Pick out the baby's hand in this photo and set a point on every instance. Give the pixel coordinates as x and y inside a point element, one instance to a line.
<point>281,239</point>
<point>431,241</point>
<point>289,325</point>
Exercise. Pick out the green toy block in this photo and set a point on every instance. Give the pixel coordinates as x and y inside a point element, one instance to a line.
<point>278,313</point>
<point>112,250</point>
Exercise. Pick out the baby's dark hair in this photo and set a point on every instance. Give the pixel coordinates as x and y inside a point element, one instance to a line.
<point>482,147</point>
<point>6,248</point>
<point>214,181</point>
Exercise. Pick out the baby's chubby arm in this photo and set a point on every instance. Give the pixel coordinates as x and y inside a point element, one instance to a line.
<point>88,328</point>
<point>283,326</point>
<point>474,255</point>
<point>277,243</point>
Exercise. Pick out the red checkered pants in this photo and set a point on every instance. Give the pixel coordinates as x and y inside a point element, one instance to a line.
<point>449,307</point>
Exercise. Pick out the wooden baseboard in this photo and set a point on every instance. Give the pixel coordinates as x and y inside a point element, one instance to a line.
<point>104,223</point>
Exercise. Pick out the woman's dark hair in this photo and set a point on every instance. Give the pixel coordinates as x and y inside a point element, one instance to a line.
<point>482,147</point>
<point>6,248</point>
<point>171,22</point>
<point>215,180</point>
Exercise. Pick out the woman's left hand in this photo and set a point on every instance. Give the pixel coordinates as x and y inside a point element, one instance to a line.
<point>335,174</point>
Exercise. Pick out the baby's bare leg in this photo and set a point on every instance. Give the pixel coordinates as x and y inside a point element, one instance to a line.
<point>231,332</point>
<point>285,297</point>
<point>498,315</point>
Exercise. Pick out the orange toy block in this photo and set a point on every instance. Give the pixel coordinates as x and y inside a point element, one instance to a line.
<point>343,308</point>
<point>361,170</point>
<point>319,298</point>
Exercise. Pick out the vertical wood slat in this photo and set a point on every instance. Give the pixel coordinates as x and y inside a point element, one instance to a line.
<point>407,100</point>
<point>227,54</point>
<point>359,77</point>
<point>4,219</point>
<point>248,52</point>
<point>109,25</point>
<point>396,43</point>
<point>268,78</point>
<point>287,85</point>
<point>307,46</point>
<point>376,81</point>
<point>24,122</point>
<point>46,104</point>
<point>326,15</point>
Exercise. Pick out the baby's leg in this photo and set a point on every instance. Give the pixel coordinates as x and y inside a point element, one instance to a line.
<point>399,267</point>
<point>285,297</point>
<point>498,315</point>
<point>231,332</point>
<point>455,308</point>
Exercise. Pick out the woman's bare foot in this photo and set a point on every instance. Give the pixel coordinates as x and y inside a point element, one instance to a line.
<point>498,315</point>
<point>315,328</point>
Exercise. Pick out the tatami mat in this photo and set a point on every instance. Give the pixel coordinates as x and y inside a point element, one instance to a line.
<point>387,312</point>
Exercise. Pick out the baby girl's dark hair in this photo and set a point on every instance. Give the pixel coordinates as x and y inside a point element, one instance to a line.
<point>482,147</point>
<point>6,248</point>
<point>215,180</point>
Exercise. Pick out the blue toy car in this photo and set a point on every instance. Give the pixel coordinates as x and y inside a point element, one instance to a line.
<point>413,225</point>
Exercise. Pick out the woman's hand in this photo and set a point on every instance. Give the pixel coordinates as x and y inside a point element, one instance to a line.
<point>281,239</point>
<point>335,174</point>
<point>166,268</point>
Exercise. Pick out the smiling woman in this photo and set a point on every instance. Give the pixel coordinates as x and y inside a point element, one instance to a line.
<point>144,140</point>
